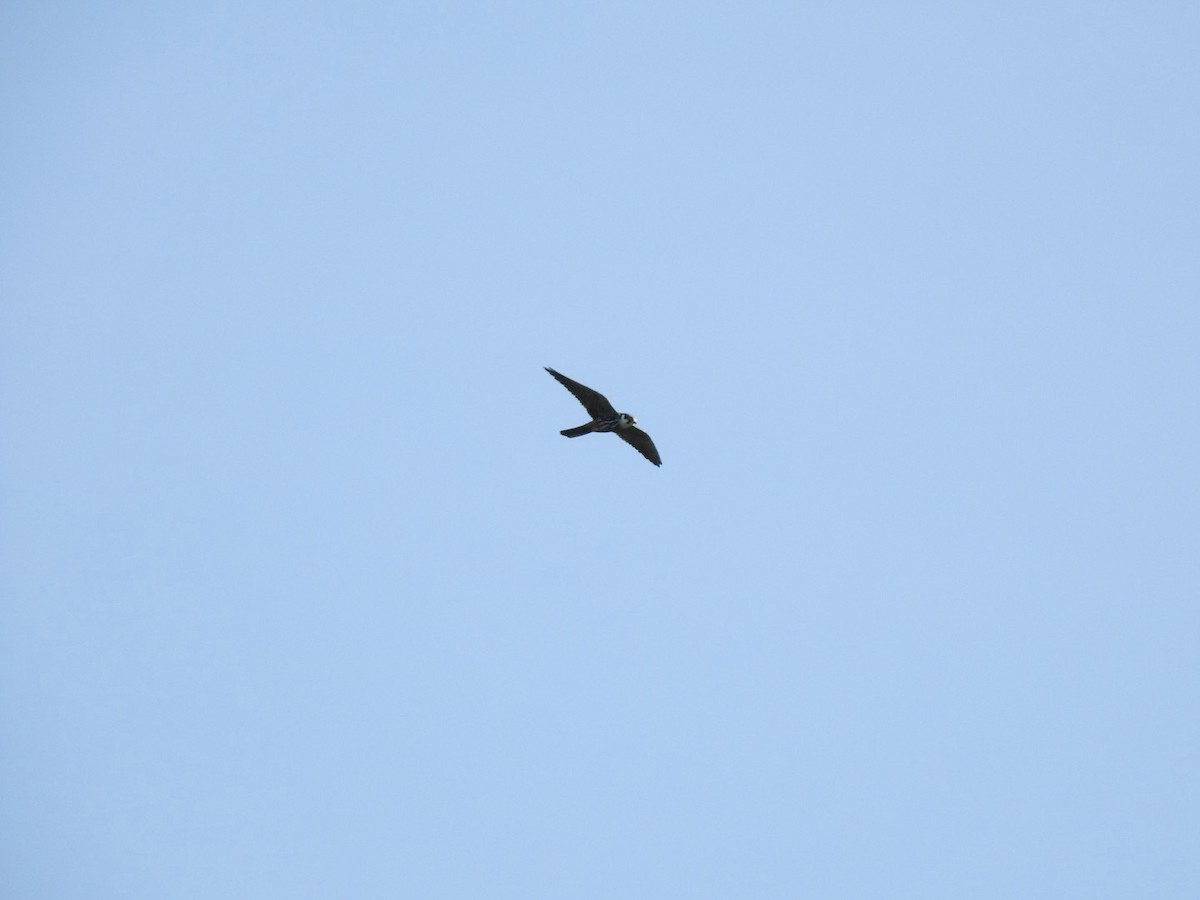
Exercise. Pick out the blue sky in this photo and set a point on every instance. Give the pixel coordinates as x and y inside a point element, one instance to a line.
<point>304,595</point>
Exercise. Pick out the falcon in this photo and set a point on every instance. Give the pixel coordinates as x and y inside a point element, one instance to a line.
<point>605,418</point>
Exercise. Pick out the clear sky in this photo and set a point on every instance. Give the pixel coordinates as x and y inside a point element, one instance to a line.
<point>304,596</point>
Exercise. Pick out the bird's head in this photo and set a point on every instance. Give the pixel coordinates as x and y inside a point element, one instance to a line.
<point>625,420</point>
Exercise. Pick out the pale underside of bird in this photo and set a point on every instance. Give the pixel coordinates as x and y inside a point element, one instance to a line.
<point>606,419</point>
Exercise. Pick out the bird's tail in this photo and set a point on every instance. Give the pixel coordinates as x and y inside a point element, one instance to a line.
<point>576,432</point>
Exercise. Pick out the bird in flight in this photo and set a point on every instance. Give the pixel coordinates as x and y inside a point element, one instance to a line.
<point>605,418</point>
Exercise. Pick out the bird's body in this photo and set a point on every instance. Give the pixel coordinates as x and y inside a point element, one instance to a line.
<point>606,418</point>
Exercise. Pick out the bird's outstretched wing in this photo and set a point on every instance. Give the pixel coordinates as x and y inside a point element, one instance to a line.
<point>641,442</point>
<point>594,402</point>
